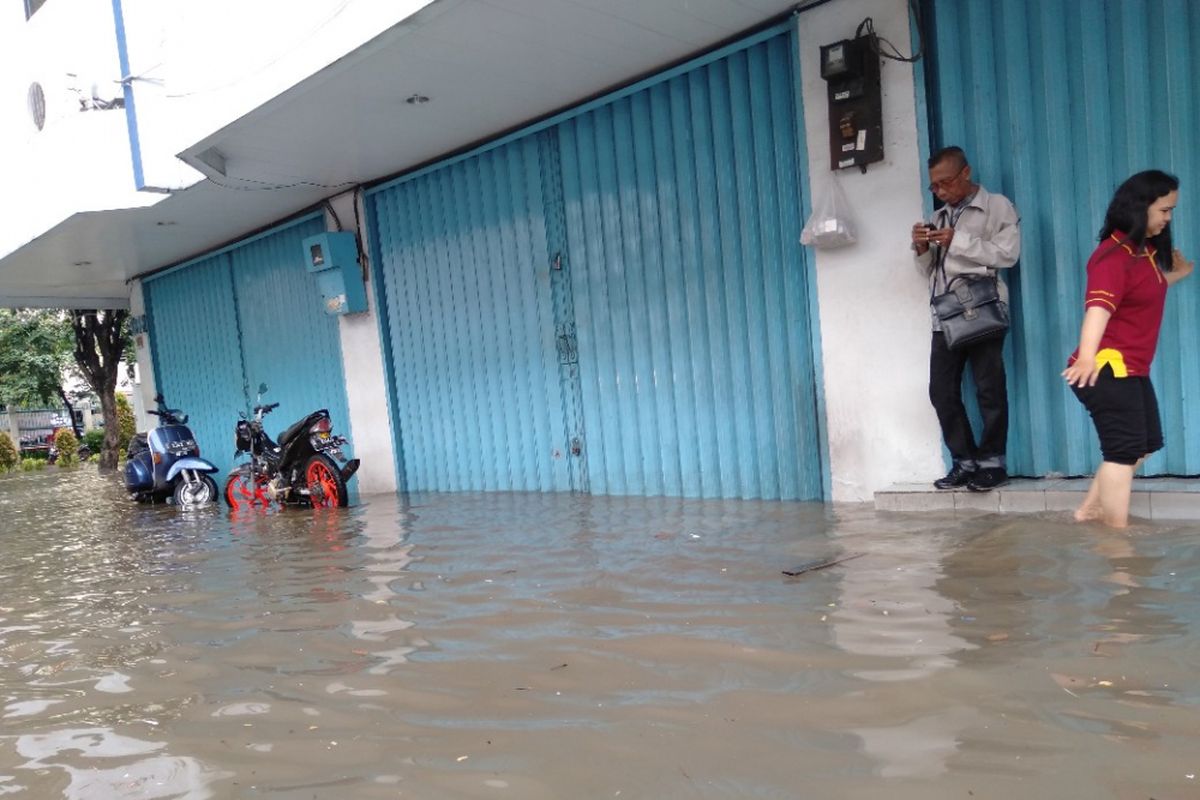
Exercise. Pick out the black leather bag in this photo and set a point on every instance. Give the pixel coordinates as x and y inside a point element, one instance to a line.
<point>971,311</point>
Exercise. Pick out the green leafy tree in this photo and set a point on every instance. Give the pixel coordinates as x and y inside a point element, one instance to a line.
<point>101,338</point>
<point>9,455</point>
<point>128,423</point>
<point>36,348</point>
<point>93,440</point>
<point>68,447</point>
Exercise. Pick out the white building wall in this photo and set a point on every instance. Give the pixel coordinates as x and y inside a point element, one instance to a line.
<point>874,306</point>
<point>146,386</point>
<point>194,69</point>
<point>198,67</point>
<point>80,160</point>
<point>362,364</point>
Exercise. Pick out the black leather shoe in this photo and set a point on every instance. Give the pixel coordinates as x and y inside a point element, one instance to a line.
<point>988,478</point>
<point>957,476</point>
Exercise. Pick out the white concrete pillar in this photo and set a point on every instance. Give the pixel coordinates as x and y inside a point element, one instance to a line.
<point>145,387</point>
<point>362,363</point>
<point>874,306</point>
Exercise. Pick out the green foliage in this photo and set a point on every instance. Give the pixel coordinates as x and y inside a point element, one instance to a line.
<point>9,455</point>
<point>68,447</point>
<point>128,424</point>
<point>36,346</point>
<point>94,439</point>
<point>31,464</point>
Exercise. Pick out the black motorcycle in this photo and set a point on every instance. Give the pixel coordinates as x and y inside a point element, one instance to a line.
<point>298,470</point>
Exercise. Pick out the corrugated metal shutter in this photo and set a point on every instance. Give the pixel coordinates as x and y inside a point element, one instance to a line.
<point>249,314</point>
<point>464,263</point>
<point>1057,102</point>
<point>197,353</point>
<point>288,341</point>
<point>689,285</point>
<point>626,284</point>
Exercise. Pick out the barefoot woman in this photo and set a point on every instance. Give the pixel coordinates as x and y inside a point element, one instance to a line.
<point>1127,279</point>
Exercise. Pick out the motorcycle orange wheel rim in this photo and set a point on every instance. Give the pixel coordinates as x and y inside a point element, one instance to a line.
<point>239,495</point>
<point>320,476</point>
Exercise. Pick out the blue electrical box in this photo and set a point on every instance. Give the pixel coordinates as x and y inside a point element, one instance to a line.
<point>333,257</point>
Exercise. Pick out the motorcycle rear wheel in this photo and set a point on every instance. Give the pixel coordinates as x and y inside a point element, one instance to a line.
<point>198,493</point>
<point>326,486</point>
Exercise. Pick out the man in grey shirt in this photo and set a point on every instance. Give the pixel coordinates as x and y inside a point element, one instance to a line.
<point>975,232</point>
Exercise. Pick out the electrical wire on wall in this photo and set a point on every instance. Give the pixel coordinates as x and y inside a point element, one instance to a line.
<point>358,234</point>
<point>264,186</point>
<point>336,219</point>
<point>358,239</point>
<point>879,43</point>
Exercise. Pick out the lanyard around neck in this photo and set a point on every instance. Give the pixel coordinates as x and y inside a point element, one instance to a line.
<point>951,216</point>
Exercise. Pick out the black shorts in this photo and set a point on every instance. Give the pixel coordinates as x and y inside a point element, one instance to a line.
<point>1125,413</point>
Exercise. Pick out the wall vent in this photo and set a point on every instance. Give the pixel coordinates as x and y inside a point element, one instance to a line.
<point>36,99</point>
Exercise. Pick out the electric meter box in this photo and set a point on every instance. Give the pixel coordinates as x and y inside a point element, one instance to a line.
<point>851,72</point>
<point>333,257</point>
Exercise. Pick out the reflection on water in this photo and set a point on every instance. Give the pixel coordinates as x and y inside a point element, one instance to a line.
<point>140,771</point>
<point>548,646</point>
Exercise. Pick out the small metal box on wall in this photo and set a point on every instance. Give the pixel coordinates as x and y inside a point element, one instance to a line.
<point>333,257</point>
<point>851,71</point>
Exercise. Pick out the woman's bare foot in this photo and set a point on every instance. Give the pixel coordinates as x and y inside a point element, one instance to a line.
<point>1089,512</point>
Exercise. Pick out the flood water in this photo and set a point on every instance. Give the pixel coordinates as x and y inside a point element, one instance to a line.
<point>551,646</point>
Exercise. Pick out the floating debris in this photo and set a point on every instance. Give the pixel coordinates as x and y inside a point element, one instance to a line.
<point>819,563</point>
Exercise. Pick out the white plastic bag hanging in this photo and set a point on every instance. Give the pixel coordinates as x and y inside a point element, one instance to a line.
<point>830,224</point>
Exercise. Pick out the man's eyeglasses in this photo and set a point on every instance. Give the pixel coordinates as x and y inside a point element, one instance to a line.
<point>946,183</point>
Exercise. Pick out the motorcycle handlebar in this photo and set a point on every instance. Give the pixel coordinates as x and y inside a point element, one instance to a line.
<point>170,416</point>
<point>267,408</point>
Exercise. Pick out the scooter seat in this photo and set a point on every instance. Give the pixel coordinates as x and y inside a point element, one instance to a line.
<point>137,443</point>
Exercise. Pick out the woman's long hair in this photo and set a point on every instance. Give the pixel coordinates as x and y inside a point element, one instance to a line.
<point>1129,207</point>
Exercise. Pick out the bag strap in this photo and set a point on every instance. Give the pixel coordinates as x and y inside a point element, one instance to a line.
<point>940,261</point>
<point>952,217</point>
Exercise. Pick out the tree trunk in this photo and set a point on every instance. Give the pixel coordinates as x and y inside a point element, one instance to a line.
<point>111,448</point>
<point>66,401</point>
<point>100,338</point>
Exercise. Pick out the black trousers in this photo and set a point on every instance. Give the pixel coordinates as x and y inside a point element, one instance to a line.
<point>946,369</point>
<point>1125,413</point>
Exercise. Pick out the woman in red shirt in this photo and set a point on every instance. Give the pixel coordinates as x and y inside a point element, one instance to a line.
<point>1127,279</point>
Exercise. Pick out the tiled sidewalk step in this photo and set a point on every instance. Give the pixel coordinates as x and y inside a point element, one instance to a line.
<point>1153,498</point>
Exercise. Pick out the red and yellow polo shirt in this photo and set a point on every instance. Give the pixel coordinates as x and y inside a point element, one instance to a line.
<point>1129,284</point>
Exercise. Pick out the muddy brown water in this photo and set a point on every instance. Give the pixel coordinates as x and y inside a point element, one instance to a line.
<point>552,646</point>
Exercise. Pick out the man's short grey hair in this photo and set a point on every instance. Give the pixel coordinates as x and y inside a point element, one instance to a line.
<point>954,152</point>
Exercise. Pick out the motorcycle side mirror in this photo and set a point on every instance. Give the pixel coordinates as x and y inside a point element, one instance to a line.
<point>262,388</point>
<point>158,398</point>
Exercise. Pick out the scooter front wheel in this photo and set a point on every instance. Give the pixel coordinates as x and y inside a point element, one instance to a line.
<point>326,486</point>
<point>189,494</point>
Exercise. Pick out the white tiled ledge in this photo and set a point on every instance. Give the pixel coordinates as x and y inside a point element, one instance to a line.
<point>1153,498</point>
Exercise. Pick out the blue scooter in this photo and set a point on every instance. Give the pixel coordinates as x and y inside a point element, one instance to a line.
<point>165,463</point>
